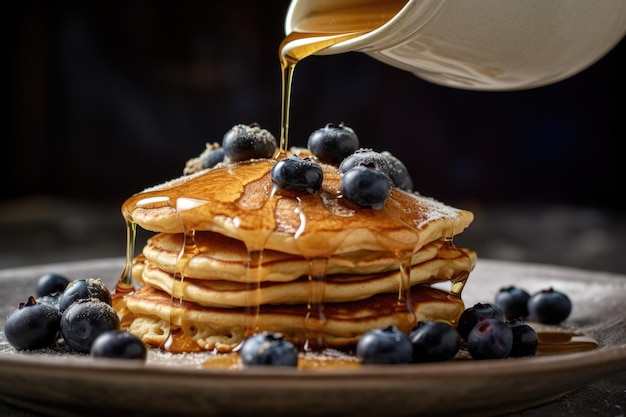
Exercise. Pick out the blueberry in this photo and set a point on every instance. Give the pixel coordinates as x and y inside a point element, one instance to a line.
<point>51,283</point>
<point>365,187</point>
<point>212,155</point>
<point>384,162</point>
<point>513,302</point>
<point>525,339</point>
<point>52,299</point>
<point>384,346</point>
<point>297,174</point>
<point>398,172</point>
<point>212,158</point>
<point>244,142</point>
<point>84,321</point>
<point>267,348</point>
<point>490,339</point>
<point>82,289</point>
<point>368,158</point>
<point>333,143</point>
<point>549,306</point>
<point>32,325</point>
<point>476,313</point>
<point>434,341</point>
<point>117,344</point>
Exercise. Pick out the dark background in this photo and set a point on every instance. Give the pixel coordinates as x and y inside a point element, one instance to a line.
<point>107,98</point>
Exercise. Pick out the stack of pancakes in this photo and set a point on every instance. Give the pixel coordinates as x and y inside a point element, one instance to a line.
<point>232,255</point>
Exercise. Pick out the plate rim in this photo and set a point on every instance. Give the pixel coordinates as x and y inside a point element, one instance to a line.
<point>608,355</point>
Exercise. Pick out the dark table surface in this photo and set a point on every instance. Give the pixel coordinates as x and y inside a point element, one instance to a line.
<point>41,230</point>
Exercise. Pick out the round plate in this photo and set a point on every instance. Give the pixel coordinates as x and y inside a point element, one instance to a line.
<point>169,384</point>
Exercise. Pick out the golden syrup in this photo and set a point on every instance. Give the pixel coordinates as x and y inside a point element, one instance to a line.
<point>118,302</point>
<point>309,361</point>
<point>315,318</point>
<point>254,265</point>
<point>253,306</point>
<point>404,305</point>
<point>321,29</point>
<point>450,251</point>
<point>559,341</point>
<point>187,251</point>
<point>124,284</point>
<point>179,342</point>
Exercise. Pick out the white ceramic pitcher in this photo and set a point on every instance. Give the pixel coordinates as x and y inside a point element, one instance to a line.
<point>487,44</point>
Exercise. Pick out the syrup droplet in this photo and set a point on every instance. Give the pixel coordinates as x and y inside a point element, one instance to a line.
<point>315,318</point>
<point>124,286</point>
<point>254,278</point>
<point>404,307</point>
<point>253,293</point>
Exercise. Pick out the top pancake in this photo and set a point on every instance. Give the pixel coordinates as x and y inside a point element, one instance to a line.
<point>238,201</point>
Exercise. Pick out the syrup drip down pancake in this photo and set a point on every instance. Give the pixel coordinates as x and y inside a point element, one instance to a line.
<point>241,248</point>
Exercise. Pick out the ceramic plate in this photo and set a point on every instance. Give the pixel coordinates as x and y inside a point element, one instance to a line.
<point>173,385</point>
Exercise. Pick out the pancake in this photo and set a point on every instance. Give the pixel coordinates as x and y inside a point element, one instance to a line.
<point>234,254</point>
<point>186,326</point>
<point>238,201</point>
<point>217,257</point>
<point>337,288</point>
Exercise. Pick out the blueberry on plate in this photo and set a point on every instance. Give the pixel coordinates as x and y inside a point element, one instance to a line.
<point>297,174</point>
<point>513,302</point>
<point>52,299</point>
<point>333,143</point>
<point>365,187</point>
<point>51,283</point>
<point>490,339</point>
<point>525,339</point>
<point>434,341</point>
<point>32,325</point>
<point>118,344</point>
<point>268,348</point>
<point>384,346</point>
<point>84,289</point>
<point>549,306</point>
<point>84,321</point>
<point>244,142</point>
<point>476,313</point>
